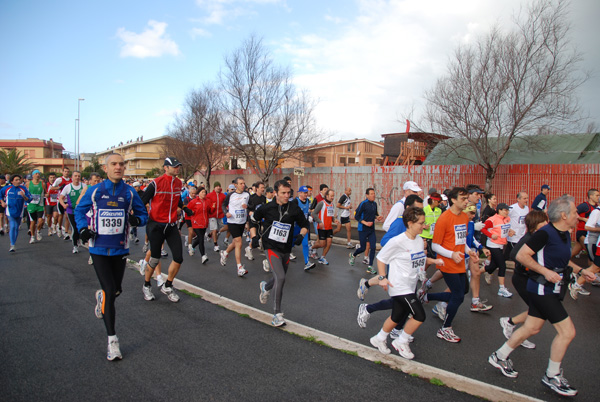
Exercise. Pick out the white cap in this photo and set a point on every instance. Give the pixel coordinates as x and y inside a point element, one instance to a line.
<point>444,197</point>
<point>136,184</point>
<point>411,185</point>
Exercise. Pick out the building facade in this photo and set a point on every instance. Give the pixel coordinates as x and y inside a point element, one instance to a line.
<point>47,155</point>
<point>140,155</point>
<point>357,152</point>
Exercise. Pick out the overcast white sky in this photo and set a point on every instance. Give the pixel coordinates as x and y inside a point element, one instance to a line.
<point>367,62</point>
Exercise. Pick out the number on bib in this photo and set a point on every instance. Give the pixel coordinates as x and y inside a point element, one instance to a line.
<point>279,232</point>
<point>504,230</point>
<point>111,221</point>
<point>460,234</point>
<point>418,260</point>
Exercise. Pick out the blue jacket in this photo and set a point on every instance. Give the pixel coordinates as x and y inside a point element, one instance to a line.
<point>366,211</point>
<point>396,228</point>
<point>14,202</point>
<point>86,203</point>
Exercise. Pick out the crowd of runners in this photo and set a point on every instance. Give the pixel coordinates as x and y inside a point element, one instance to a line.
<point>453,235</point>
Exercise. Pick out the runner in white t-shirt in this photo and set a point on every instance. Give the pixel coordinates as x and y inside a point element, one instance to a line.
<point>410,187</point>
<point>517,213</point>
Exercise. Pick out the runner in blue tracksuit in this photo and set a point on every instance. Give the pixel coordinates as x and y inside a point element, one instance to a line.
<point>304,204</point>
<point>13,199</point>
<point>109,205</point>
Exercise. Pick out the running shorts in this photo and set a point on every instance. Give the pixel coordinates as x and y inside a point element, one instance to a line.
<point>547,307</point>
<point>580,233</point>
<point>344,220</point>
<point>50,209</point>
<point>236,229</point>
<point>215,224</point>
<point>325,234</point>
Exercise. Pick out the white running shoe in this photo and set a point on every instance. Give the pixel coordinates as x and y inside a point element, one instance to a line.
<point>67,236</point>
<point>190,250</point>
<point>323,261</point>
<point>242,271</point>
<point>143,264</point>
<point>99,301</point>
<point>160,280</point>
<point>145,248</point>
<point>362,289</point>
<point>403,349</point>
<point>504,292</point>
<point>163,253</point>
<point>32,240</point>
<point>363,315</point>
<point>488,278</point>
<point>38,236</point>
<point>148,295</point>
<point>266,266</point>
<point>90,261</point>
<point>75,249</point>
<point>249,253</point>
<point>381,345</point>
<point>528,344</point>
<point>216,249</point>
<point>170,292</point>
<point>223,258</point>
<point>365,261</point>
<point>264,293</point>
<point>11,249</point>
<point>114,351</point>
<point>349,245</point>
<point>49,232</point>
<point>278,320</point>
<point>292,257</point>
<point>185,243</point>
<point>507,328</point>
<point>309,265</point>
<point>204,259</point>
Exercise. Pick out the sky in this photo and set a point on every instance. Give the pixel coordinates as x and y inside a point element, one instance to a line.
<point>366,62</point>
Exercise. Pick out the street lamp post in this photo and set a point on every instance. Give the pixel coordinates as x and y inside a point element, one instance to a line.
<point>78,131</point>
<point>75,148</point>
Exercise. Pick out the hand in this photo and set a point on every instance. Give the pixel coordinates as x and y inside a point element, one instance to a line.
<point>384,283</point>
<point>511,233</point>
<point>228,215</point>
<point>589,276</point>
<point>134,220</point>
<point>495,236</point>
<point>551,276</point>
<point>22,193</point>
<point>188,211</point>
<point>479,226</point>
<point>369,224</point>
<point>457,256</point>
<point>474,256</point>
<point>487,252</point>
<point>244,206</point>
<point>255,242</point>
<point>438,261</point>
<point>299,240</point>
<point>86,234</point>
<point>310,219</point>
<point>380,219</point>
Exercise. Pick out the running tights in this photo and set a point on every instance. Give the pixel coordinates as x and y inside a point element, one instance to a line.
<point>14,229</point>
<point>279,265</point>
<point>110,271</point>
<point>496,261</point>
<point>75,236</point>
<point>199,240</point>
<point>367,236</point>
<point>454,298</point>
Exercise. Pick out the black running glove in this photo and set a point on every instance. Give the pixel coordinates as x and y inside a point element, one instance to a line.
<point>134,220</point>
<point>299,240</point>
<point>255,242</point>
<point>86,234</point>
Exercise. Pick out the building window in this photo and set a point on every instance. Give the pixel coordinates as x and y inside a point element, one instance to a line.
<point>343,160</point>
<point>379,161</point>
<point>369,161</point>
<point>351,160</point>
<point>368,147</point>
<point>321,159</point>
<point>351,147</point>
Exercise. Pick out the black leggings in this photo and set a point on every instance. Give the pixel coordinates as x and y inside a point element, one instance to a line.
<point>161,232</point>
<point>75,236</point>
<point>199,240</point>
<point>497,261</point>
<point>110,271</point>
<point>405,305</point>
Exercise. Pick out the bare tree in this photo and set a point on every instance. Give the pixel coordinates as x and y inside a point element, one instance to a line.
<point>266,119</point>
<point>507,85</point>
<point>193,135</point>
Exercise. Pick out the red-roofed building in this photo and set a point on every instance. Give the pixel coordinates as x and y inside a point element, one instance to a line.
<point>357,152</point>
<point>46,155</point>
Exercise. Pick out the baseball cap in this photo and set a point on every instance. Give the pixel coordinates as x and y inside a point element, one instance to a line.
<point>432,190</point>
<point>502,206</point>
<point>136,184</point>
<point>476,190</point>
<point>546,186</point>
<point>303,189</point>
<point>231,187</point>
<point>444,197</point>
<point>411,185</point>
<point>36,171</point>
<point>470,208</point>
<point>170,161</point>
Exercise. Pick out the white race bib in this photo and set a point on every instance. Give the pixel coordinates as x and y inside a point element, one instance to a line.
<point>460,234</point>
<point>521,220</point>
<point>418,260</point>
<point>240,214</point>
<point>431,228</point>
<point>111,221</point>
<point>280,232</point>
<point>35,199</point>
<point>504,230</point>
<point>330,211</point>
<point>541,204</point>
<point>53,198</point>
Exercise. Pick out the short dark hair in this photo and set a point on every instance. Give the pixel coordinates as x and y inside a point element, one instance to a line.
<point>286,178</point>
<point>488,196</point>
<point>201,188</point>
<point>591,191</point>
<point>455,192</point>
<point>412,214</point>
<point>533,219</point>
<point>269,189</point>
<point>281,183</point>
<point>323,186</point>
<point>14,176</point>
<point>411,199</point>
<point>369,189</point>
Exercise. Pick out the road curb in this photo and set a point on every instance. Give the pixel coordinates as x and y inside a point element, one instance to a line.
<point>452,380</point>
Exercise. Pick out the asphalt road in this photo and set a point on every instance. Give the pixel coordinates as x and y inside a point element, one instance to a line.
<point>54,348</point>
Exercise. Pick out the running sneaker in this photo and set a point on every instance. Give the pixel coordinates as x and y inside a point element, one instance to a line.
<point>249,253</point>
<point>38,236</point>
<point>441,306</point>
<point>114,351</point>
<point>559,384</point>
<point>278,320</point>
<point>226,241</point>
<point>32,240</point>
<point>503,291</point>
<point>170,292</point>
<point>159,280</point>
<point>223,258</point>
<point>67,237</point>
<point>1,232</point>
<point>75,249</point>
<point>351,258</point>
<point>505,366</point>
<point>190,250</point>
<point>395,334</point>
<point>136,240</point>
<point>242,271</point>
<point>292,257</point>
<point>581,290</point>
<point>148,295</point>
<point>163,253</point>
<point>381,345</point>
<point>363,315</point>
<point>528,344</point>
<point>309,265</point>
<point>267,267</point>
<point>488,278</point>
<point>448,334</point>
<point>349,245</point>
<point>507,328</point>
<point>142,265</point>
<point>90,261</point>
<point>11,249</point>
<point>596,282</point>
<point>403,349</point>
<point>49,232</point>
<point>145,248</point>
<point>204,259</point>
<point>216,249</point>
<point>421,293</point>
<point>365,260</point>
<point>99,301</point>
<point>264,293</point>
<point>362,289</point>
<point>314,255</point>
<point>323,261</point>
<point>480,306</point>
<point>371,270</point>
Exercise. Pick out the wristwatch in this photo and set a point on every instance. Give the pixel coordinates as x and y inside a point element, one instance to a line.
<point>381,277</point>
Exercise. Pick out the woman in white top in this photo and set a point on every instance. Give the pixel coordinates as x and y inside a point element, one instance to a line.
<point>405,255</point>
